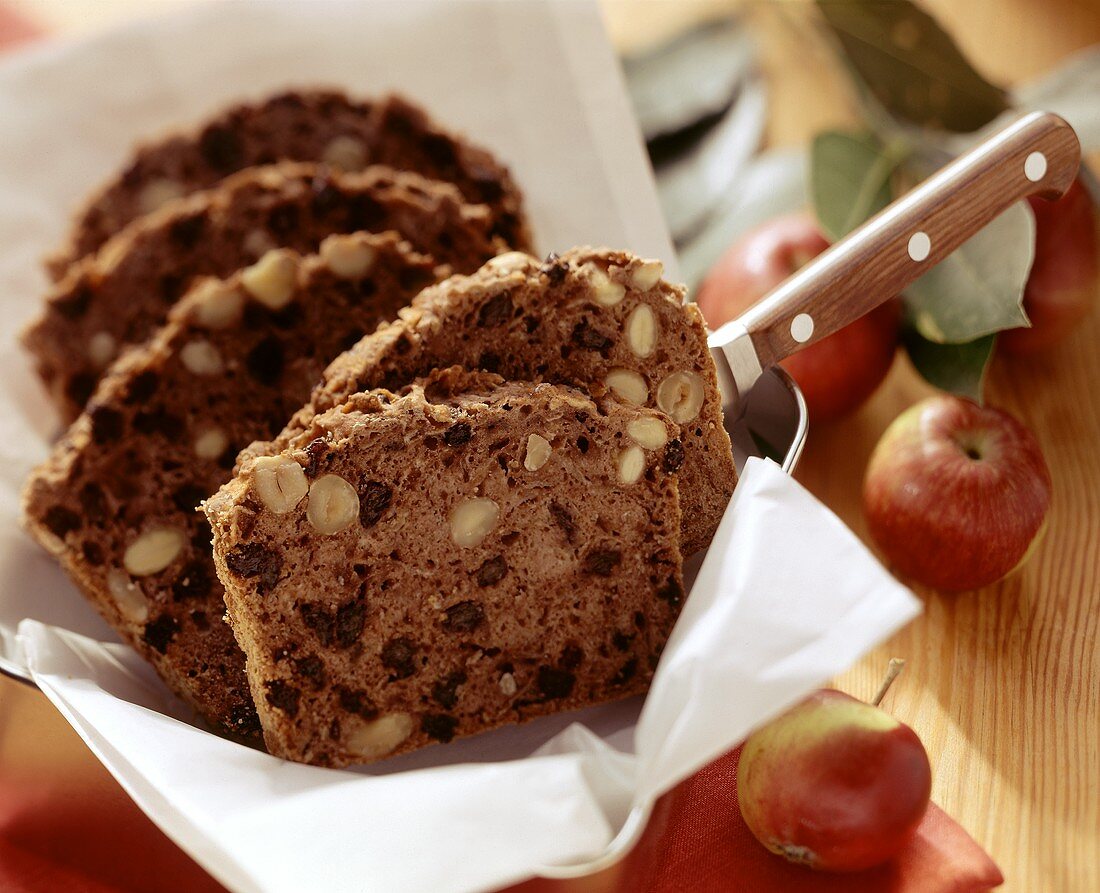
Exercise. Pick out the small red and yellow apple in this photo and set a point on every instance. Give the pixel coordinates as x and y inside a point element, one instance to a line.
<point>836,374</point>
<point>834,784</point>
<point>1064,281</point>
<point>956,494</point>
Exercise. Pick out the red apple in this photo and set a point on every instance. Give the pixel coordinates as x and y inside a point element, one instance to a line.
<point>834,783</point>
<point>955,494</point>
<point>1062,286</point>
<point>838,373</point>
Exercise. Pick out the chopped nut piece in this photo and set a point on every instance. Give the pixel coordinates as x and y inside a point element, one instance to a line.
<point>333,504</point>
<point>508,685</point>
<point>346,153</point>
<point>128,596</point>
<point>606,292</point>
<point>471,521</point>
<point>681,396</point>
<point>648,432</point>
<point>112,251</point>
<point>280,483</point>
<point>631,464</point>
<point>218,306</point>
<point>202,358</point>
<point>347,257</point>
<point>381,736</point>
<point>153,551</point>
<point>271,280</point>
<point>628,385</point>
<point>509,262</point>
<point>158,193</point>
<point>538,452</point>
<point>647,274</point>
<point>211,443</point>
<point>641,331</point>
<point>101,349</point>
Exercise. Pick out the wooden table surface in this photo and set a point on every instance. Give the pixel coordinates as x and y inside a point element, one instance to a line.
<point>1003,685</point>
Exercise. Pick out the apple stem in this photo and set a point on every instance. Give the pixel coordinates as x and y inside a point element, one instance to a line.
<point>892,673</point>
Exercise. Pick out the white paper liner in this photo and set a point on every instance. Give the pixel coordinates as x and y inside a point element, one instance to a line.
<point>786,598</point>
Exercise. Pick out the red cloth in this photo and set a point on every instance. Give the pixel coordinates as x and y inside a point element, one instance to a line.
<point>62,835</point>
<point>697,842</point>
<point>52,839</point>
<point>721,853</point>
<point>15,28</point>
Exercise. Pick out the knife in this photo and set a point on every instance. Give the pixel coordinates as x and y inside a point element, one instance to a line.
<point>1038,154</point>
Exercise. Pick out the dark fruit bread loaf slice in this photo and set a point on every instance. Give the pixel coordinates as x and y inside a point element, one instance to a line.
<point>468,554</point>
<point>118,296</point>
<point>314,125</point>
<point>117,500</point>
<point>600,320</point>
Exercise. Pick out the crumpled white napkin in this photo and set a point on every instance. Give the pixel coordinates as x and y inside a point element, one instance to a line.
<point>786,598</point>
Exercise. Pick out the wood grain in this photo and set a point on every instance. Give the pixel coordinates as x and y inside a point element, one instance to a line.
<point>1003,685</point>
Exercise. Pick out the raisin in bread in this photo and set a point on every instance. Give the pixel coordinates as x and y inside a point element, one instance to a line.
<point>306,125</point>
<point>600,320</point>
<point>117,500</point>
<point>468,554</point>
<point>120,295</point>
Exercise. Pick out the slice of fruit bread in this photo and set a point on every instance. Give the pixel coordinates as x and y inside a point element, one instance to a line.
<point>323,126</point>
<point>117,500</point>
<point>600,320</point>
<point>467,554</point>
<point>120,295</point>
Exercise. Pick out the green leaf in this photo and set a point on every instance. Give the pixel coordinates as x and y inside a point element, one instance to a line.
<point>956,368</point>
<point>911,65</point>
<point>849,180</point>
<point>979,288</point>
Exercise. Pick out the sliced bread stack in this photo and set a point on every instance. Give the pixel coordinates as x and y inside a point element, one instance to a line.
<point>439,503</point>
<point>183,370</point>
<point>423,555</point>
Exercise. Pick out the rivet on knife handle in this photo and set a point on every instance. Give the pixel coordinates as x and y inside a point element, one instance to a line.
<point>1037,155</point>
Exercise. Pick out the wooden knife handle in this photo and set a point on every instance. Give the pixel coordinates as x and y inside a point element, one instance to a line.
<point>1037,155</point>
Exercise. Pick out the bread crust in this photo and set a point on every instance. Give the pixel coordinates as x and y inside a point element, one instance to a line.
<point>323,126</point>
